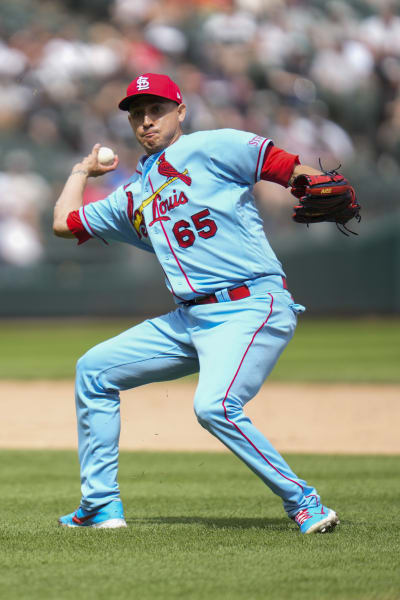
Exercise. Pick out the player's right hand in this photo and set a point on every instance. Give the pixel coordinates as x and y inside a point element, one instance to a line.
<point>91,165</point>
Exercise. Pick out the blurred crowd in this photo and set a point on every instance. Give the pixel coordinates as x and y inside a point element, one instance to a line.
<point>322,79</point>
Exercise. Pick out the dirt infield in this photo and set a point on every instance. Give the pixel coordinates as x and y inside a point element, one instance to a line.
<point>295,417</point>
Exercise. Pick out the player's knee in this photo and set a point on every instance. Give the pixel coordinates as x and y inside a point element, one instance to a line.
<point>88,368</point>
<point>86,363</point>
<point>207,413</point>
<point>204,416</point>
<point>219,412</point>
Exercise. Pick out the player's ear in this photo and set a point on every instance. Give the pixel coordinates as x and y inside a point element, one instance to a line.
<point>181,112</point>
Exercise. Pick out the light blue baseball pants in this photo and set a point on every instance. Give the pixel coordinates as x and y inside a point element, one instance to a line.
<point>234,346</point>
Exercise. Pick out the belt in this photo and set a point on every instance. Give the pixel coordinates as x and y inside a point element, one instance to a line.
<point>236,293</point>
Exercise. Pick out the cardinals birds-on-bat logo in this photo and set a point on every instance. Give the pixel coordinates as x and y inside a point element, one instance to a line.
<point>165,168</point>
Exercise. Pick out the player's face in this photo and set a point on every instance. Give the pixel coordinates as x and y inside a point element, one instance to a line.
<point>156,122</point>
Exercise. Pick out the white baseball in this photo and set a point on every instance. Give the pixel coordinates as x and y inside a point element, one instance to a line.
<point>105,156</point>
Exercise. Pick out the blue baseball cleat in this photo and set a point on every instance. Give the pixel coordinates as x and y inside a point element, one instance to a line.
<point>109,516</point>
<point>318,519</point>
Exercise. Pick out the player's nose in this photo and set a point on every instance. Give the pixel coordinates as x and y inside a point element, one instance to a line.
<point>147,120</point>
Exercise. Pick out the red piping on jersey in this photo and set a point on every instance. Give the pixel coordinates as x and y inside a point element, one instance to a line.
<point>169,244</point>
<point>88,224</point>
<point>258,159</point>
<point>228,390</point>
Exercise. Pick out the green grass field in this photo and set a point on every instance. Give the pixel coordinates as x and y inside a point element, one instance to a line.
<point>349,350</point>
<point>201,527</point>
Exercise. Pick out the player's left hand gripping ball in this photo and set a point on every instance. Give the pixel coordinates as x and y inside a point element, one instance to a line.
<point>326,197</point>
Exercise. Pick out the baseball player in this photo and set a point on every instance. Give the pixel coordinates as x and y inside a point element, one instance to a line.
<point>190,202</point>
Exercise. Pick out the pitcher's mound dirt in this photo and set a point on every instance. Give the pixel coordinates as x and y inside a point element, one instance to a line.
<point>295,417</point>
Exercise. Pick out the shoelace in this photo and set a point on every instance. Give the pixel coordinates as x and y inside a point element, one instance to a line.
<point>302,516</point>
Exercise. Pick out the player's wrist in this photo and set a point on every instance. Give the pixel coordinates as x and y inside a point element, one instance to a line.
<point>79,170</point>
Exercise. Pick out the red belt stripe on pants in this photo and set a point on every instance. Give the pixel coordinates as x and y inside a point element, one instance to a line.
<point>236,293</point>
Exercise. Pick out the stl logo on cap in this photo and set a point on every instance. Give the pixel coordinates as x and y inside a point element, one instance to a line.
<point>154,84</point>
<point>142,83</point>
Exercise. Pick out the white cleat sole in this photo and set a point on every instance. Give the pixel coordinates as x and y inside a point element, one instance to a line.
<point>109,524</point>
<point>325,525</point>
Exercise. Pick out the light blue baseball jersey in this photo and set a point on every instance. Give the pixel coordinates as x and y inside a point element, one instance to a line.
<point>192,204</point>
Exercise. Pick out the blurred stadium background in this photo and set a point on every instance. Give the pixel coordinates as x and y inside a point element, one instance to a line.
<point>322,79</point>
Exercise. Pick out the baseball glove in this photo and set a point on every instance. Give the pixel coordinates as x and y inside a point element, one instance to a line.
<point>326,197</point>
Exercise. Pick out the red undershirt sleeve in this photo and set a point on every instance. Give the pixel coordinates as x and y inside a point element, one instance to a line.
<point>76,227</point>
<point>278,165</point>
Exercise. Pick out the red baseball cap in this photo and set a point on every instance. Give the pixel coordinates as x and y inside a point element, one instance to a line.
<point>153,84</point>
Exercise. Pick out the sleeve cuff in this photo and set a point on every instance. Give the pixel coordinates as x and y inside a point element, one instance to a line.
<point>278,165</point>
<point>76,227</point>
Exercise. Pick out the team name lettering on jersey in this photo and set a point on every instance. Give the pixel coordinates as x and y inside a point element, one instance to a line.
<point>166,169</point>
<point>142,229</point>
<point>166,205</point>
<point>135,217</point>
<point>256,140</point>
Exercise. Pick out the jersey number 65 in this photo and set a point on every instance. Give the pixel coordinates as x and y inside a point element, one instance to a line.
<point>205,228</point>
